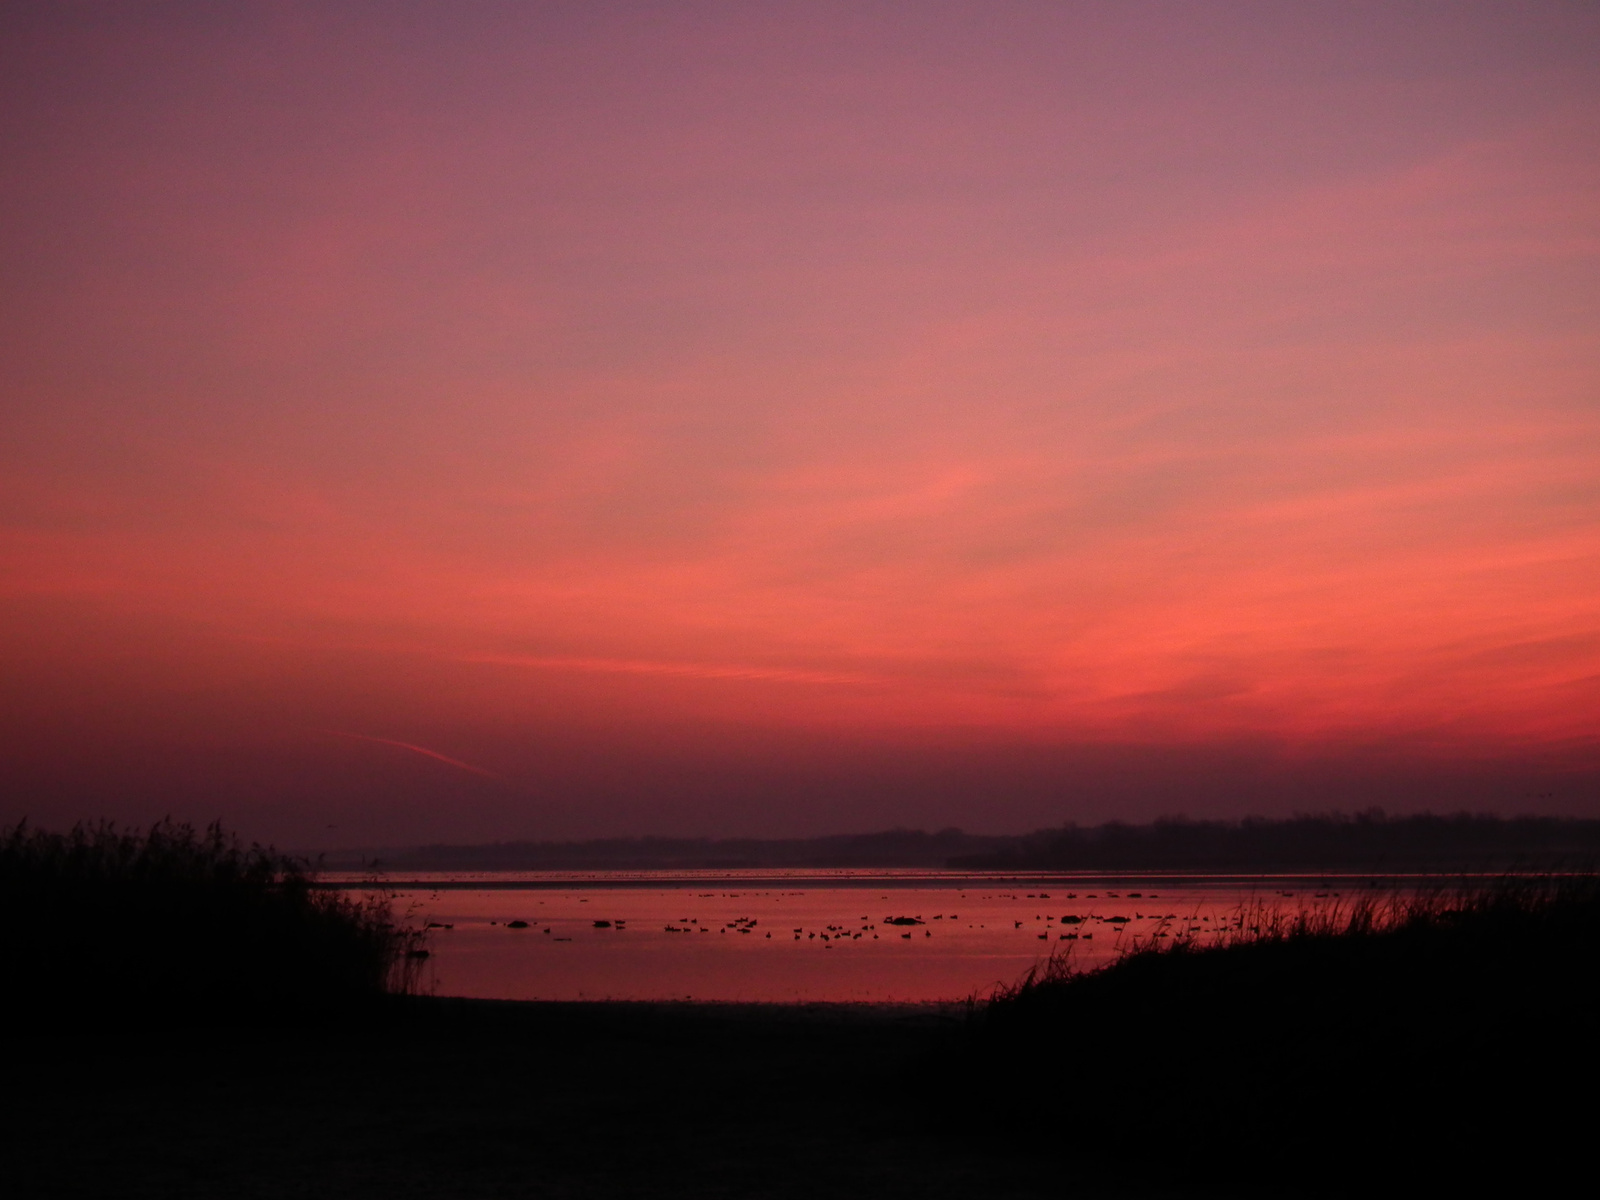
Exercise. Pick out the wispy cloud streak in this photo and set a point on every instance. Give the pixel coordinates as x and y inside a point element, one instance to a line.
<point>687,670</point>
<point>416,749</point>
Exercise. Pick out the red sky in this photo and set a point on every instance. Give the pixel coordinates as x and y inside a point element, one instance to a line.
<point>458,422</point>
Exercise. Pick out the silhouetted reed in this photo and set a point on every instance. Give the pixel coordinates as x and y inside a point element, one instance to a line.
<point>1437,1032</point>
<point>173,922</point>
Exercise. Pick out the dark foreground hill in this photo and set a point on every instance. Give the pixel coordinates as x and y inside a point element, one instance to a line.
<point>1456,1057</point>
<point>1440,1043</point>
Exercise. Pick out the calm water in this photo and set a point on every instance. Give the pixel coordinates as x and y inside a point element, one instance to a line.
<point>804,935</point>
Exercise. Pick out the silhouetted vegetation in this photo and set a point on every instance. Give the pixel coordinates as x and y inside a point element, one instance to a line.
<point>890,848</point>
<point>1366,841</point>
<point>172,922</point>
<point>1441,1036</point>
<point>1449,1035</point>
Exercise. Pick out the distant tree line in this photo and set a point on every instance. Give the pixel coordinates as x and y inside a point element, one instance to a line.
<point>1365,841</point>
<point>890,848</point>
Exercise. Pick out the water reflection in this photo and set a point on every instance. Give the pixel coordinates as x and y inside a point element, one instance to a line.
<point>787,935</point>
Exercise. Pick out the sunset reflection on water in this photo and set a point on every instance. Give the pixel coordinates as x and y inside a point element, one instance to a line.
<point>805,936</point>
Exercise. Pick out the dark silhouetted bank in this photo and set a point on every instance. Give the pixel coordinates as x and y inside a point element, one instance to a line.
<point>1432,1040</point>
<point>176,924</point>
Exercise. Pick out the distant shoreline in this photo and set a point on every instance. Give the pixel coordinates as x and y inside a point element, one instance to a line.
<point>486,880</point>
<point>1367,843</point>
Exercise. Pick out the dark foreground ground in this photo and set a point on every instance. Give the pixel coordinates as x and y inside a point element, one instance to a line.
<point>470,1099</point>
<point>1409,1043</point>
<point>1448,1046</point>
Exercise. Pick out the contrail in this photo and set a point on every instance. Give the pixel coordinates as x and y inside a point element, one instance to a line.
<point>633,666</point>
<point>423,750</point>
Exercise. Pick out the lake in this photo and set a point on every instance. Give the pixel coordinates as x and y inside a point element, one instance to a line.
<point>806,935</point>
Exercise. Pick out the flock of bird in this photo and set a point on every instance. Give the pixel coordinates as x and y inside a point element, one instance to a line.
<point>985,934</point>
<point>1062,926</point>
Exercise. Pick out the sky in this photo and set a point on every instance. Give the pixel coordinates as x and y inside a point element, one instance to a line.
<point>426,422</point>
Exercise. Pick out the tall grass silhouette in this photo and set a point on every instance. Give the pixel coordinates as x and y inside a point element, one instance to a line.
<point>1510,916</point>
<point>1439,1032</point>
<point>182,923</point>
